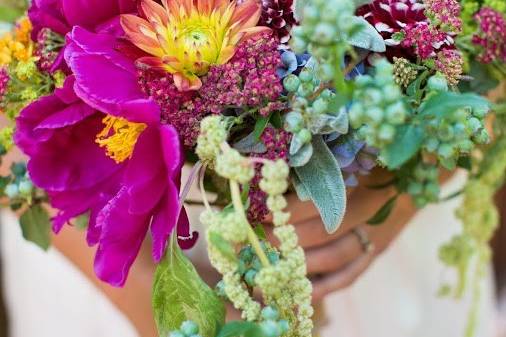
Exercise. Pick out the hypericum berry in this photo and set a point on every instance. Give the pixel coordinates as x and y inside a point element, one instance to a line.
<point>270,328</point>
<point>12,191</point>
<point>438,83</point>
<point>176,334</point>
<point>189,328</point>
<point>269,313</point>
<point>25,187</point>
<point>291,83</point>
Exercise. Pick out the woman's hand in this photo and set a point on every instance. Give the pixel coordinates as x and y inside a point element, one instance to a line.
<point>336,260</point>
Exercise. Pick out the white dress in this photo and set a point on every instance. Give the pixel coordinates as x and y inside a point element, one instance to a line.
<point>48,297</point>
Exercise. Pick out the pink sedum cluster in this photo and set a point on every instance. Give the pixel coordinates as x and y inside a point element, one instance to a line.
<point>444,13</point>
<point>492,35</point>
<point>4,82</point>
<point>424,38</point>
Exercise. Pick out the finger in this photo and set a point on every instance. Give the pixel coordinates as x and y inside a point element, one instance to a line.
<point>342,278</point>
<point>335,255</point>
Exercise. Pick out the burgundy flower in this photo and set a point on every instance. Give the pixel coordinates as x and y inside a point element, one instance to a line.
<point>491,36</point>
<point>279,16</point>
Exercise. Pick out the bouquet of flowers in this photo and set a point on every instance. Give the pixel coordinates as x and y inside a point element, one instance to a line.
<point>109,98</point>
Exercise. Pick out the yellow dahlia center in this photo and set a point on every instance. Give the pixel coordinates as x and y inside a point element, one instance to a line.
<point>119,137</point>
<point>186,37</point>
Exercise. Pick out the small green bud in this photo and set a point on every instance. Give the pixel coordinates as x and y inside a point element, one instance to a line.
<point>284,326</point>
<point>270,328</point>
<point>374,115</point>
<point>305,89</point>
<point>249,277</point>
<point>432,144</point>
<point>320,106</point>
<point>446,151</point>
<point>396,113</point>
<point>415,188</point>
<point>12,191</point>
<point>25,187</point>
<point>269,313</point>
<point>305,136</point>
<point>445,132</point>
<point>437,83</point>
<point>324,33</point>
<point>291,83</point>
<point>306,75</point>
<point>294,121</point>
<point>176,334</point>
<point>311,14</point>
<point>326,72</point>
<point>386,133</point>
<point>189,328</point>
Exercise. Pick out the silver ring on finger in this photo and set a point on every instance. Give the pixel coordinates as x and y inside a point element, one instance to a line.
<point>363,239</point>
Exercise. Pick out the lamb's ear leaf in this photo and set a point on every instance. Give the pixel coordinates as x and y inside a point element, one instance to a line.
<point>324,184</point>
<point>179,294</point>
<point>366,37</point>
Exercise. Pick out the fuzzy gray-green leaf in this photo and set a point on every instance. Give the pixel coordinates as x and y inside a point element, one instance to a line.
<point>180,294</point>
<point>324,183</point>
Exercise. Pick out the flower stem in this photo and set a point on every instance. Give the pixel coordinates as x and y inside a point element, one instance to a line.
<point>252,237</point>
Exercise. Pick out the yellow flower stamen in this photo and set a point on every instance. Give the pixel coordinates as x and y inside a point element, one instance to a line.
<point>17,45</point>
<point>119,137</point>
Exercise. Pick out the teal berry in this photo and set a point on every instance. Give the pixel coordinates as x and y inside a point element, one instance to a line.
<point>386,133</point>
<point>305,89</point>
<point>320,106</point>
<point>374,115</point>
<point>18,169</point>
<point>475,124</point>
<point>256,264</point>
<point>304,136</point>
<point>326,72</point>
<point>326,94</point>
<point>311,14</point>
<point>246,254</point>
<point>270,329</point>
<point>363,81</point>
<point>445,132</point>
<point>446,151</point>
<point>298,44</point>
<point>273,257</point>
<point>373,97</point>
<point>432,191</point>
<point>220,289</point>
<point>482,137</point>
<point>291,83</point>
<point>396,113</point>
<point>241,266</point>
<point>12,191</point>
<point>249,277</point>
<point>189,328</point>
<point>176,334</point>
<point>356,115</point>
<point>432,144</point>
<point>415,188</point>
<point>306,75</point>
<point>294,121</point>
<point>284,326</point>
<point>465,146</point>
<point>437,83</point>
<point>25,187</point>
<point>269,313</point>
<point>324,33</point>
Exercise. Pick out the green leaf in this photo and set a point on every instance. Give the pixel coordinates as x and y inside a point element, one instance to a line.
<point>324,183</point>
<point>81,222</point>
<point>413,89</point>
<point>180,294</point>
<point>9,14</point>
<point>408,140</point>
<point>36,226</point>
<point>260,231</point>
<point>482,79</point>
<point>223,246</point>
<point>260,126</point>
<point>383,213</point>
<point>367,37</point>
<point>447,102</point>
<point>300,189</point>
<point>241,328</point>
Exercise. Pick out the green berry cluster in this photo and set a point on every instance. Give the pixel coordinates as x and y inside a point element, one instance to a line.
<point>272,325</point>
<point>313,109</point>
<point>187,329</point>
<point>404,72</point>
<point>212,134</point>
<point>249,264</point>
<point>377,107</point>
<point>423,185</point>
<point>232,165</point>
<point>18,186</point>
<point>455,135</point>
<point>325,23</point>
